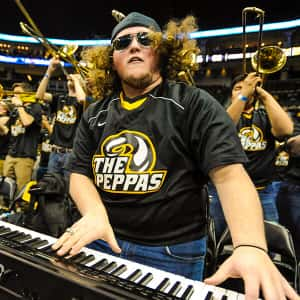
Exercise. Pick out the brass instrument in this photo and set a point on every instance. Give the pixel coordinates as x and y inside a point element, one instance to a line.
<point>26,97</point>
<point>4,92</point>
<point>117,15</point>
<point>267,59</point>
<point>272,59</point>
<point>190,63</point>
<point>66,52</point>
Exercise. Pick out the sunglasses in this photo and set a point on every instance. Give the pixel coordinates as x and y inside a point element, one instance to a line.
<point>124,41</point>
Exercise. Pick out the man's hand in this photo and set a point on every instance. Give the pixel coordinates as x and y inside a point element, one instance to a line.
<point>293,144</point>
<point>88,229</point>
<point>258,273</point>
<point>54,64</point>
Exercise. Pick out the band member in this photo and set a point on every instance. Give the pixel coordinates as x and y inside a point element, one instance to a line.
<point>141,159</point>
<point>24,125</point>
<point>67,109</point>
<point>258,128</point>
<point>4,133</point>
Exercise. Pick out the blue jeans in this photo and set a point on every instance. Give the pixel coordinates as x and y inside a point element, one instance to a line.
<point>57,163</point>
<point>186,259</point>
<point>268,201</point>
<point>288,202</point>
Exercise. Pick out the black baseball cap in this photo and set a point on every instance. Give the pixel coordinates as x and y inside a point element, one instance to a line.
<point>135,19</point>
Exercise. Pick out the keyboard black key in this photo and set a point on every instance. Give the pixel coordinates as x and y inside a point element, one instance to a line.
<point>187,294</point>
<point>119,270</point>
<point>38,244</point>
<point>135,275</point>
<point>163,285</point>
<point>10,235</point>
<point>87,259</point>
<point>224,297</point>
<point>109,267</point>
<point>32,241</point>
<point>22,237</point>
<point>175,289</point>
<point>146,279</point>
<point>4,230</point>
<point>209,296</point>
<point>100,264</point>
<point>47,249</point>
<point>77,258</point>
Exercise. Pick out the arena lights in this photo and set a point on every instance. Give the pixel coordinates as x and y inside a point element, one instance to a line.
<point>294,51</point>
<point>27,61</point>
<point>61,42</point>
<point>249,29</point>
<point>194,35</point>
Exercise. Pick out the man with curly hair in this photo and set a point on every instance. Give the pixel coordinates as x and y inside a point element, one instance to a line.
<point>142,156</point>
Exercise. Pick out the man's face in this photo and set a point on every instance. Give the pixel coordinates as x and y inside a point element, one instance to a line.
<point>236,90</point>
<point>137,64</point>
<point>18,90</point>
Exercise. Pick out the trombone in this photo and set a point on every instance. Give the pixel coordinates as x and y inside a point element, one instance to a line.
<point>26,97</point>
<point>66,52</point>
<point>267,59</point>
<point>4,92</point>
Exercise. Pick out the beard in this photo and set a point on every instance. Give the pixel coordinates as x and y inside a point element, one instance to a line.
<point>139,83</point>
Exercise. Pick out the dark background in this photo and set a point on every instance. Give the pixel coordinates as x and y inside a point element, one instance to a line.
<point>84,19</point>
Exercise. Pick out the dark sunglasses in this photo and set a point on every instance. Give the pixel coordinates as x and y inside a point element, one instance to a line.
<point>124,41</point>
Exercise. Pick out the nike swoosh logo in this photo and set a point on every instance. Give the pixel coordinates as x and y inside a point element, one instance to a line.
<point>101,124</point>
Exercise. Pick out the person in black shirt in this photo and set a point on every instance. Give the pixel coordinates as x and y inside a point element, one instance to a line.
<point>25,126</point>
<point>288,198</point>
<point>142,156</point>
<point>68,109</point>
<point>4,133</point>
<point>45,147</point>
<point>258,128</point>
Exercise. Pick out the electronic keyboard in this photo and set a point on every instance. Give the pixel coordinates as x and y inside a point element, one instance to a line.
<point>30,269</point>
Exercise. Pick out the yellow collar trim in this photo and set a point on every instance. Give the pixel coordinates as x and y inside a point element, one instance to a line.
<point>130,106</point>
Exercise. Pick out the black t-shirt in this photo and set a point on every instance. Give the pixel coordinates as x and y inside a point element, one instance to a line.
<point>4,139</point>
<point>258,142</point>
<point>24,140</point>
<point>150,159</point>
<point>45,148</point>
<point>292,173</point>
<point>68,113</point>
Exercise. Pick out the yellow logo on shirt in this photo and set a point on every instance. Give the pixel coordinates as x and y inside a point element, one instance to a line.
<point>67,115</point>
<point>126,164</point>
<point>252,139</point>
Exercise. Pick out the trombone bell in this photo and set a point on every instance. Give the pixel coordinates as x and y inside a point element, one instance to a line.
<point>272,59</point>
<point>67,50</point>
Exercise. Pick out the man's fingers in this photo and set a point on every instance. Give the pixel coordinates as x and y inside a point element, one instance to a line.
<point>111,240</point>
<point>220,276</point>
<point>289,291</point>
<point>251,284</point>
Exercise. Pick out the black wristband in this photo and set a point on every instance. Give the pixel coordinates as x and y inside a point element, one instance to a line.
<point>253,246</point>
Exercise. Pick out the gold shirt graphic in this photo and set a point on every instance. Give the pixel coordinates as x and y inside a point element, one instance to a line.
<point>252,138</point>
<point>126,164</point>
<point>67,115</point>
